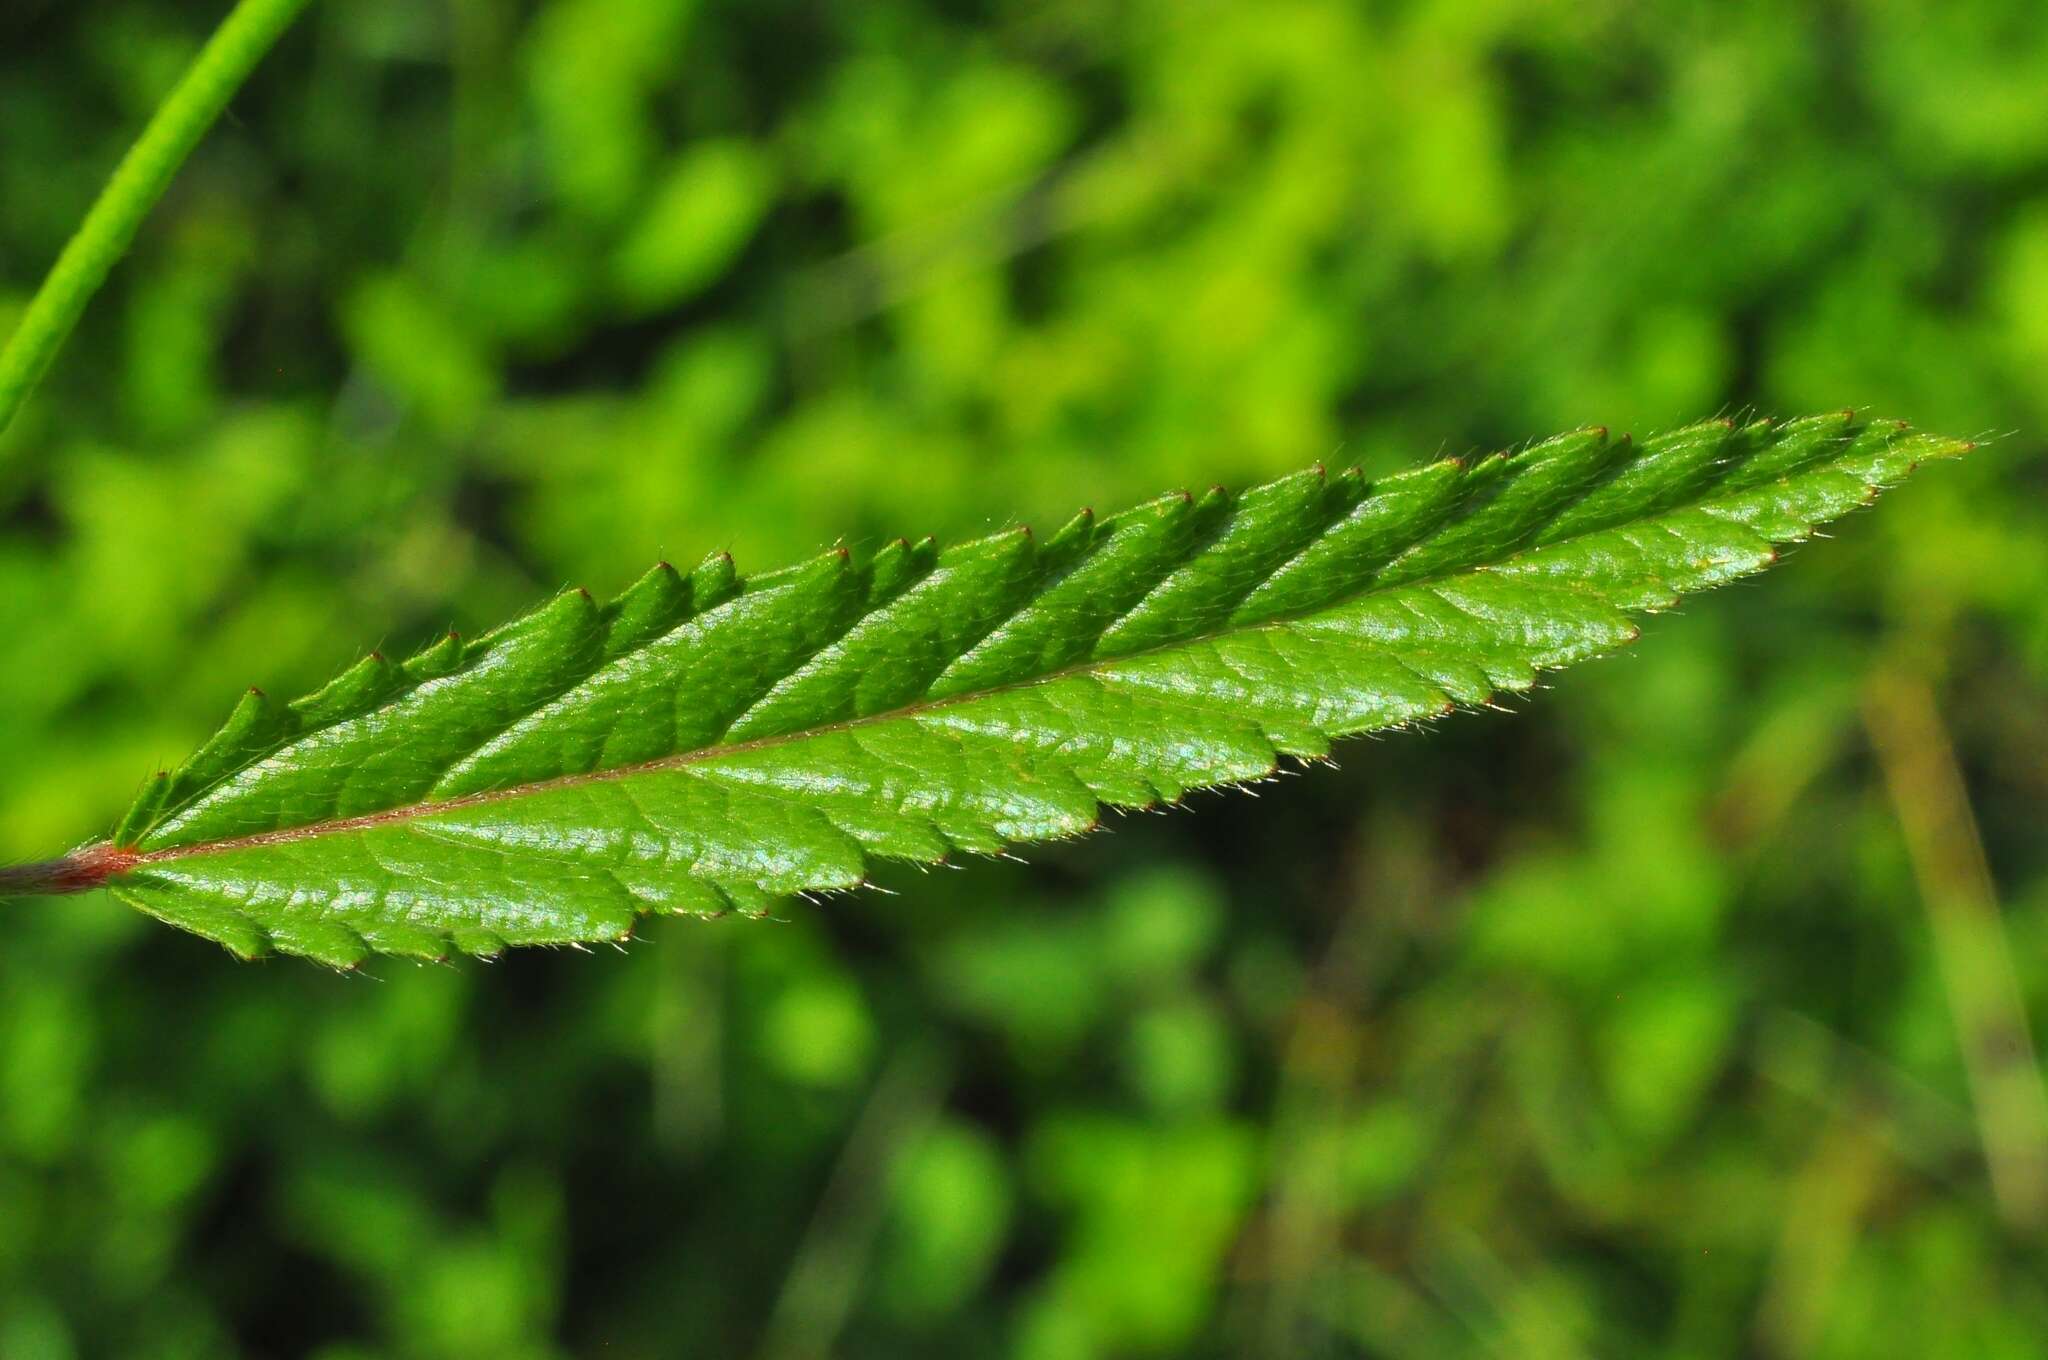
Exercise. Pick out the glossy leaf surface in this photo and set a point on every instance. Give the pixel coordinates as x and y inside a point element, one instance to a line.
<point>709,742</point>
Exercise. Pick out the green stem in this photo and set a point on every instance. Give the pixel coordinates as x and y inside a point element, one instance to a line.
<point>176,127</point>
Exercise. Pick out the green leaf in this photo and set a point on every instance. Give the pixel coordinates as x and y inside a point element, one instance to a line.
<point>709,742</point>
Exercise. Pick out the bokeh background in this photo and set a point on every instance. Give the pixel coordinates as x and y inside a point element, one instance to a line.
<point>1684,1012</point>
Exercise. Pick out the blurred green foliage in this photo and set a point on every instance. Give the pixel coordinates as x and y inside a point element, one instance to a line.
<point>1671,1016</point>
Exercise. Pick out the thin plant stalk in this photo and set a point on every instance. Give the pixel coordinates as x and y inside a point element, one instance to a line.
<point>221,67</point>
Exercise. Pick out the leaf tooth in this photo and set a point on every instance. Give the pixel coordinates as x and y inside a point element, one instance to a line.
<point>1171,506</point>
<point>738,827</point>
<point>714,581</point>
<point>680,892</point>
<point>1509,501</point>
<point>479,943</point>
<point>440,658</point>
<point>646,609</point>
<point>415,749</point>
<point>1886,452</point>
<point>1295,683</point>
<point>1129,554</point>
<point>745,899</point>
<point>243,938</point>
<point>1786,510</point>
<point>669,891</point>
<point>1387,518</point>
<point>1069,542</point>
<point>891,826</point>
<point>897,566</point>
<point>1271,524</point>
<point>681,690</point>
<point>1649,567</point>
<point>561,636</point>
<point>891,654</point>
<point>825,566</point>
<point>1667,470</point>
<point>257,726</point>
<point>355,691</point>
<point>1299,740</point>
<point>204,915</point>
<point>1128,749</point>
<point>142,813</point>
<point>407,941</point>
<point>326,942</point>
<point>1786,449</point>
<point>1526,622</point>
<point>395,753</point>
<point>903,792</point>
